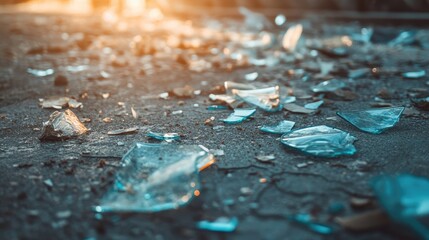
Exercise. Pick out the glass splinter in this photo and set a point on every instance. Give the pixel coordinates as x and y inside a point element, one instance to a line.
<point>414,75</point>
<point>320,141</point>
<point>239,115</point>
<point>168,137</point>
<point>155,177</point>
<point>406,199</point>
<point>267,99</point>
<point>221,224</point>
<point>329,86</point>
<point>373,121</point>
<point>282,127</point>
<point>314,105</point>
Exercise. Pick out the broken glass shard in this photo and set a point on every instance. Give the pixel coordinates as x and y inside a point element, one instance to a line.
<point>229,100</point>
<point>280,20</point>
<point>123,131</point>
<point>373,121</point>
<point>358,73</point>
<point>251,76</point>
<point>78,68</point>
<point>291,37</point>
<point>328,86</point>
<point>239,115</point>
<point>240,86</point>
<point>404,38</point>
<point>320,141</point>
<point>267,99</point>
<point>40,73</point>
<point>168,137</point>
<point>292,107</point>
<point>222,224</point>
<point>414,75</point>
<point>288,99</point>
<point>406,199</point>
<point>155,177</point>
<point>265,158</point>
<point>307,221</point>
<point>62,126</point>
<point>314,105</point>
<point>282,127</point>
<point>216,107</point>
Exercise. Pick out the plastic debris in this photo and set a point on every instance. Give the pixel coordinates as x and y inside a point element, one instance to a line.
<point>222,224</point>
<point>320,141</point>
<point>40,73</point>
<point>251,76</point>
<point>265,158</point>
<point>291,37</point>
<point>307,221</point>
<point>406,199</point>
<point>292,107</point>
<point>156,177</point>
<point>414,75</point>
<point>282,127</point>
<point>314,105</point>
<point>239,115</point>
<point>328,86</point>
<point>168,137</point>
<point>123,131</point>
<point>62,126</point>
<point>373,121</point>
<point>267,99</point>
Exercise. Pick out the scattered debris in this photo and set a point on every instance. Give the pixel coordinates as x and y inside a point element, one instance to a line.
<point>123,131</point>
<point>40,73</point>
<point>281,128</point>
<point>60,102</point>
<point>320,141</point>
<point>156,177</point>
<point>328,86</point>
<point>168,137</point>
<point>265,158</point>
<point>373,121</point>
<point>62,126</point>
<point>251,76</point>
<point>414,75</point>
<point>307,221</point>
<point>291,37</point>
<point>292,107</point>
<point>267,99</point>
<point>183,92</point>
<point>314,105</point>
<point>239,115</point>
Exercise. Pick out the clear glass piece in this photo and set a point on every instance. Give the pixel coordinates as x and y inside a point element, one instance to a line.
<point>155,177</point>
<point>239,115</point>
<point>62,126</point>
<point>168,137</point>
<point>373,121</point>
<point>320,141</point>
<point>267,99</point>
<point>314,105</point>
<point>328,86</point>
<point>282,127</point>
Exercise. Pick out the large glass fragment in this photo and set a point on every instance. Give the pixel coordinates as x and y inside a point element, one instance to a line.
<point>328,86</point>
<point>320,141</point>
<point>291,37</point>
<point>239,115</point>
<point>373,121</point>
<point>168,137</point>
<point>282,127</point>
<point>406,199</point>
<point>221,224</point>
<point>156,177</point>
<point>62,126</point>
<point>267,99</point>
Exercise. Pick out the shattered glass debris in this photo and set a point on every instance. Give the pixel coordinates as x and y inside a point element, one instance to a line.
<point>267,99</point>
<point>291,37</point>
<point>406,199</point>
<point>251,76</point>
<point>373,121</point>
<point>307,221</point>
<point>328,86</point>
<point>156,177</point>
<point>320,141</point>
<point>265,158</point>
<point>216,107</point>
<point>168,137</point>
<point>414,75</point>
<point>123,131</point>
<point>404,38</point>
<point>292,107</point>
<point>282,127</point>
<point>314,105</point>
<point>62,126</point>
<point>78,68</point>
<point>40,73</point>
<point>239,115</point>
<point>229,100</point>
<point>288,99</point>
<point>222,224</point>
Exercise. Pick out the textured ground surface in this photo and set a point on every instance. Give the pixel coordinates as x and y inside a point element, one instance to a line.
<point>29,209</point>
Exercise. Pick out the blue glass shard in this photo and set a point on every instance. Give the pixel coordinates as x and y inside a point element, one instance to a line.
<point>414,75</point>
<point>307,221</point>
<point>373,121</point>
<point>320,141</point>
<point>222,224</point>
<point>231,101</point>
<point>404,38</point>
<point>328,86</point>
<point>282,127</point>
<point>288,99</point>
<point>314,105</point>
<point>267,99</point>
<point>155,177</point>
<point>168,137</point>
<point>251,76</point>
<point>406,199</point>
<point>216,107</point>
<point>239,115</point>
